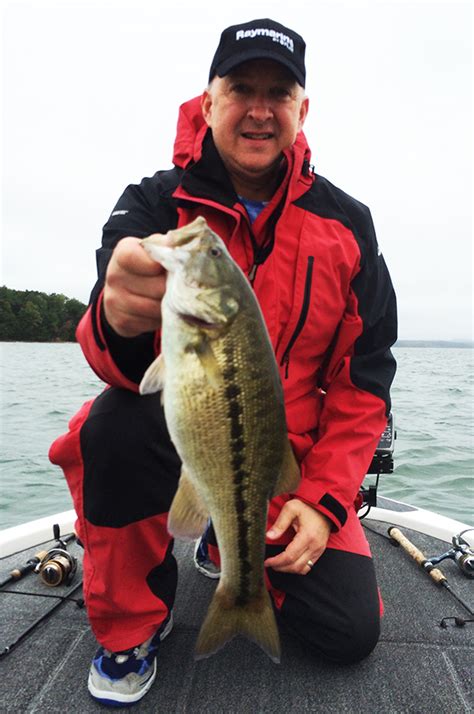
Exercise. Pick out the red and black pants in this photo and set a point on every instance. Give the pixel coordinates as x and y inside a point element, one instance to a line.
<point>122,471</point>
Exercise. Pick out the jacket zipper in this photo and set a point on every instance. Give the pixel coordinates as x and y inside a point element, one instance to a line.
<point>285,360</point>
<point>260,253</point>
<point>252,273</point>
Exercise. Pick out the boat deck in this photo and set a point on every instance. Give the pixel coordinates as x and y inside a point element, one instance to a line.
<point>416,667</point>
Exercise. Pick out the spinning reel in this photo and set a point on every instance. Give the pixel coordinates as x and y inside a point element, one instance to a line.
<point>57,566</point>
<point>461,553</point>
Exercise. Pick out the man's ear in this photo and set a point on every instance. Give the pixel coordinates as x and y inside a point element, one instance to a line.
<point>303,112</point>
<point>206,106</point>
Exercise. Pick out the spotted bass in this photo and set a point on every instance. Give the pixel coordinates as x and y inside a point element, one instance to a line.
<point>224,409</point>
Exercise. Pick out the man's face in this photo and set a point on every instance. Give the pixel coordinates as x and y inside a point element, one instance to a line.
<point>254,112</point>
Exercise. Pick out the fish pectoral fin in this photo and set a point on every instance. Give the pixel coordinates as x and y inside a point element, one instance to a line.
<point>209,364</point>
<point>154,378</point>
<point>225,619</point>
<point>188,514</point>
<point>290,473</point>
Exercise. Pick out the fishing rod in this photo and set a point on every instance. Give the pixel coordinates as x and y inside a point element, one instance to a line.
<point>435,573</point>
<point>61,600</point>
<point>54,566</point>
<point>30,565</point>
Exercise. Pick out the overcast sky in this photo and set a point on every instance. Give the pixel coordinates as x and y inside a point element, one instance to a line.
<point>91,92</point>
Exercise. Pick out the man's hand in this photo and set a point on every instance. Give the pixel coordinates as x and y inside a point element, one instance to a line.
<point>312,533</point>
<point>134,287</point>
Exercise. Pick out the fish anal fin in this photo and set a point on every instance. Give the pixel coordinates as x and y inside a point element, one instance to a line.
<point>154,378</point>
<point>290,474</point>
<point>188,514</point>
<point>225,619</point>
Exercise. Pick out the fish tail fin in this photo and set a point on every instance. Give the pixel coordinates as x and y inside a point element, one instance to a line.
<point>226,618</point>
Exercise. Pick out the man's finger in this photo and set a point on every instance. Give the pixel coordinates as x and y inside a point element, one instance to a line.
<point>132,258</point>
<point>133,317</point>
<point>283,522</point>
<point>143,286</point>
<point>292,553</point>
<point>285,564</point>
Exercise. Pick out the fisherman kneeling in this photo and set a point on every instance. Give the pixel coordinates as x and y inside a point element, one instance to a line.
<point>310,253</point>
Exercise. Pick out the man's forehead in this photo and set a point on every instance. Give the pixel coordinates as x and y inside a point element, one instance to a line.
<point>259,69</point>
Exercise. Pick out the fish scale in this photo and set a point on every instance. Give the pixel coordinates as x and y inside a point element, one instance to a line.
<point>224,409</point>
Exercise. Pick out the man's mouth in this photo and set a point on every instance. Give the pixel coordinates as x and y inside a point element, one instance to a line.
<point>257,136</point>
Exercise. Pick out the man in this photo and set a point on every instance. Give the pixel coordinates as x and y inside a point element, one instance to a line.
<point>241,161</point>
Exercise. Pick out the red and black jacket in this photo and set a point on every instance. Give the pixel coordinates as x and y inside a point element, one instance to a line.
<point>323,286</point>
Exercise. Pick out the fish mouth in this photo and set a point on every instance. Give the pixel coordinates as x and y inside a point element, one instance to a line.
<point>199,322</point>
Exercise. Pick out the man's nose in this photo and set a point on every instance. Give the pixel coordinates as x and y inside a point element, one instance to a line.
<point>260,108</point>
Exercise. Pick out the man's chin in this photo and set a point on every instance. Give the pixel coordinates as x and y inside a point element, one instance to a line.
<point>261,167</point>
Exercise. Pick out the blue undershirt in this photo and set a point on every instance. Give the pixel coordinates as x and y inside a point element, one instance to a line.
<point>253,208</point>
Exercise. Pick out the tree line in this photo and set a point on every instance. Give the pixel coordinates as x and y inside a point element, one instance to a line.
<point>32,316</point>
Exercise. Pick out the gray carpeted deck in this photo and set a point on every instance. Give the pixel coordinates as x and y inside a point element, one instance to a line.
<point>416,667</point>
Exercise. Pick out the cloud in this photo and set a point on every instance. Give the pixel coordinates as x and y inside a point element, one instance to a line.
<point>91,94</point>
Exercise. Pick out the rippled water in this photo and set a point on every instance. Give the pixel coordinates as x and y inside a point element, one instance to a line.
<point>43,385</point>
<point>433,406</point>
<point>41,388</point>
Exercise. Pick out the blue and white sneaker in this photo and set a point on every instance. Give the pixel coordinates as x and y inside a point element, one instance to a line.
<point>119,679</point>
<point>201,557</point>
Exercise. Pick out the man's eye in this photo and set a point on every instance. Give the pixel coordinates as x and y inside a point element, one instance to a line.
<point>241,88</point>
<point>280,92</point>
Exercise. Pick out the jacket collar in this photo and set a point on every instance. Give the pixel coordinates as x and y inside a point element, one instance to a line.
<point>205,175</point>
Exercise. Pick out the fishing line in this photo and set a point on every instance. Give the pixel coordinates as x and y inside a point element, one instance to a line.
<point>458,621</point>
<point>382,535</point>
<point>56,597</point>
<point>8,648</point>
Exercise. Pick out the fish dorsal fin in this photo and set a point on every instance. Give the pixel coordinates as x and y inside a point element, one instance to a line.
<point>154,378</point>
<point>188,514</point>
<point>290,474</point>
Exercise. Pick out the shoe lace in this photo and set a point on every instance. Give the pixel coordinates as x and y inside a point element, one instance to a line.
<point>122,657</point>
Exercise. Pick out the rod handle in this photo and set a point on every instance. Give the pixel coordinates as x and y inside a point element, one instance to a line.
<point>434,573</point>
<point>18,573</point>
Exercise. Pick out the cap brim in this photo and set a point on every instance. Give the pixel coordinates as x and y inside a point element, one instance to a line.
<point>228,65</point>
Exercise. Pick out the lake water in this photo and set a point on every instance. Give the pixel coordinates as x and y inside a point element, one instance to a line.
<point>43,385</point>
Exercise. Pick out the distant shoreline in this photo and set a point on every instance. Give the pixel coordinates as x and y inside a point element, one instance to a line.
<point>447,344</point>
<point>464,344</point>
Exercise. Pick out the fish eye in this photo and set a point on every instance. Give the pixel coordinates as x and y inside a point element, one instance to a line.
<point>215,252</point>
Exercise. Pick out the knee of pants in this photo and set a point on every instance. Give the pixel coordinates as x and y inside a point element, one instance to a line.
<point>335,609</point>
<point>343,638</point>
<point>131,468</point>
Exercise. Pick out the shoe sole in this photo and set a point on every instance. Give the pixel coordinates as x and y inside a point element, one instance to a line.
<point>123,700</point>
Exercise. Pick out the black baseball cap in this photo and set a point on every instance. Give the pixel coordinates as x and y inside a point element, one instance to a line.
<point>259,39</point>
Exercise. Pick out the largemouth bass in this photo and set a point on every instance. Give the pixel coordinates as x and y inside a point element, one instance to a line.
<point>224,408</point>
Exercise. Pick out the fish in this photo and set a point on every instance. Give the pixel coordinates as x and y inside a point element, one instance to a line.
<point>224,408</point>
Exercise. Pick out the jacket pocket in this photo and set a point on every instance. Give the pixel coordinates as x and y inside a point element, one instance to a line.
<point>285,360</point>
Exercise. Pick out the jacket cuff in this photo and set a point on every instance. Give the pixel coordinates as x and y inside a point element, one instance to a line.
<point>326,504</point>
<point>332,509</point>
<point>93,342</point>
